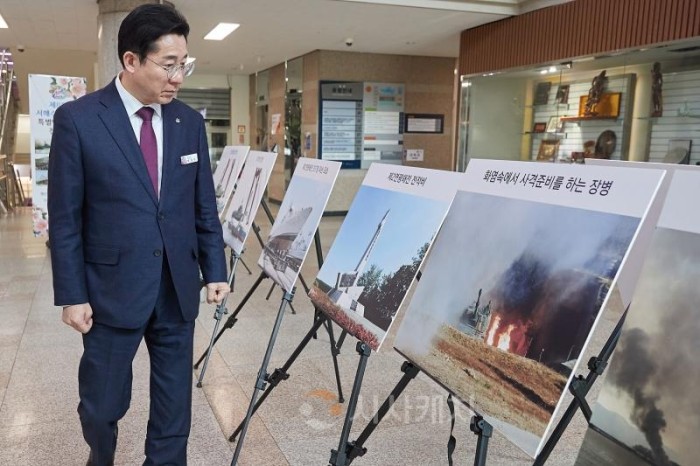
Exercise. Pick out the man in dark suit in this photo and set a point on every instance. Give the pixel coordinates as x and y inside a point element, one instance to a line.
<point>132,217</point>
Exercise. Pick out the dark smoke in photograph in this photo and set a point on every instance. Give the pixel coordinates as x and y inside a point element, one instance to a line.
<point>649,401</point>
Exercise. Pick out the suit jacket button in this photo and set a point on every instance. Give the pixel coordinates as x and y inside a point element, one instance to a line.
<point>161,216</point>
<point>157,253</point>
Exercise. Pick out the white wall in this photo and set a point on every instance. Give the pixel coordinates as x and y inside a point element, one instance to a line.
<point>240,105</point>
<point>496,118</point>
<point>239,86</point>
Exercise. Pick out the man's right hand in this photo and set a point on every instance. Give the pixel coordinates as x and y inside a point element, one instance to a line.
<point>78,316</point>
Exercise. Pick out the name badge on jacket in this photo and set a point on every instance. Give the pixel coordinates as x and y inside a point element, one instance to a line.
<point>187,159</point>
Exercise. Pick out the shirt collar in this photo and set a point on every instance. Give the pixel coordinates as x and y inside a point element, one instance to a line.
<point>131,103</point>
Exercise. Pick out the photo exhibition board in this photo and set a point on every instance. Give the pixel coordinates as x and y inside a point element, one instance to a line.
<point>293,232</point>
<point>244,205</point>
<point>379,248</point>
<point>226,174</point>
<point>515,282</point>
<point>648,410</point>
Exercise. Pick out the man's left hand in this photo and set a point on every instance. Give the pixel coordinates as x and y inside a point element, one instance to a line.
<point>216,292</point>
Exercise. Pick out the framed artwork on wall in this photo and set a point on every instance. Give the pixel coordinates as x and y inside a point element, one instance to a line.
<point>607,107</point>
<point>542,93</point>
<point>548,150</point>
<point>562,96</point>
<point>539,127</point>
<point>553,124</point>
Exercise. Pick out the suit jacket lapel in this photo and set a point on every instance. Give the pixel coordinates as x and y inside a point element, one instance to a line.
<point>117,122</point>
<point>171,123</point>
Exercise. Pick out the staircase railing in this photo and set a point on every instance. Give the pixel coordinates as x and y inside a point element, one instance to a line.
<point>8,121</point>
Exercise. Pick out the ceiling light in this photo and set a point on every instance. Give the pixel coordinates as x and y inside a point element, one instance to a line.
<point>3,24</point>
<point>552,69</point>
<point>543,71</point>
<point>221,30</point>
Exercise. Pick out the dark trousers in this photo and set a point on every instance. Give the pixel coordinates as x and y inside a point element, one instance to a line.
<point>105,378</point>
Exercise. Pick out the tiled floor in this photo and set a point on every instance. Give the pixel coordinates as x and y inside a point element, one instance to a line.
<point>297,425</point>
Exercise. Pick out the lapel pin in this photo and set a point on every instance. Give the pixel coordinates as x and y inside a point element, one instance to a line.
<point>177,120</point>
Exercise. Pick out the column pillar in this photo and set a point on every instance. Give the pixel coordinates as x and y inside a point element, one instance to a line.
<point>110,16</point>
<point>640,129</point>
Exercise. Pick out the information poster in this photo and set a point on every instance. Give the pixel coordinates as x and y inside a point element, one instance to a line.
<point>647,411</point>
<point>46,94</point>
<point>226,174</point>
<point>292,234</point>
<point>507,302</point>
<point>380,247</point>
<point>383,106</point>
<point>341,123</point>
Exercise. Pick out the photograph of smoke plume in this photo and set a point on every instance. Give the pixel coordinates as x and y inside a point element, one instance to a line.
<point>506,304</point>
<point>374,259</point>
<point>649,408</point>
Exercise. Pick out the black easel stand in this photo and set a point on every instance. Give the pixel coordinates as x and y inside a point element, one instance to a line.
<point>245,265</point>
<point>280,374</point>
<point>483,430</point>
<point>218,315</point>
<point>580,387</point>
<point>357,448</point>
<point>263,376</point>
<point>231,321</point>
<point>339,456</point>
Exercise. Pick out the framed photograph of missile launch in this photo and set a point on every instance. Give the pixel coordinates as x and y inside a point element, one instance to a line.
<point>239,216</point>
<point>515,282</point>
<point>300,213</point>
<point>648,411</point>
<point>226,174</point>
<point>380,246</point>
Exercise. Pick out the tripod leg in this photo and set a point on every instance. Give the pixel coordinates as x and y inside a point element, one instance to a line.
<point>303,283</point>
<point>339,456</point>
<point>269,293</point>
<point>262,375</point>
<point>280,374</point>
<point>483,430</point>
<point>209,350</point>
<point>218,315</point>
<point>231,321</point>
<point>246,266</point>
<point>357,448</point>
<point>341,340</point>
<point>334,354</point>
<point>596,366</point>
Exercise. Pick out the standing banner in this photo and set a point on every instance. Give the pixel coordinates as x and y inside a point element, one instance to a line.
<point>46,94</point>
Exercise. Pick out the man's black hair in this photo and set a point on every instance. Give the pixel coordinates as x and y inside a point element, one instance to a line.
<point>144,25</point>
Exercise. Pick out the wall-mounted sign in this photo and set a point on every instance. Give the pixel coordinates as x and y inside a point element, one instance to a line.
<point>241,129</point>
<point>276,123</point>
<point>414,155</point>
<point>340,133</point>
<point>424,123</point>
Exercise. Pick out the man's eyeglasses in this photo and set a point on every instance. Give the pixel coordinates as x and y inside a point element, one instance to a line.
<point>186,68</point>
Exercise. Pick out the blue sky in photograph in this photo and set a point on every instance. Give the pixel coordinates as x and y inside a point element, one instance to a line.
<point>412,221</point>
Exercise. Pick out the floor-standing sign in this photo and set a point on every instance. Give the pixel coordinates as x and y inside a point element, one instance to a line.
<point>46,94</point>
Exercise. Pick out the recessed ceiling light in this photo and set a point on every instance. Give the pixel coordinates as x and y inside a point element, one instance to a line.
<point>221,30</point>
<point>3,24</point>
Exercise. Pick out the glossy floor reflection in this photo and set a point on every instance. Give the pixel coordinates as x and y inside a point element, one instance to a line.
<point>297,425</point>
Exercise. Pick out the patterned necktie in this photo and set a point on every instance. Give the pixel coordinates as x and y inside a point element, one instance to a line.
<point>149,146</point>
